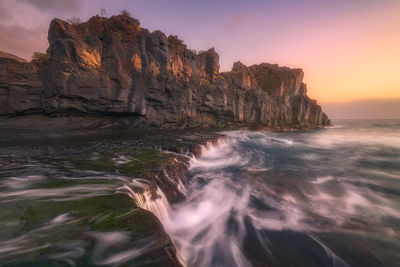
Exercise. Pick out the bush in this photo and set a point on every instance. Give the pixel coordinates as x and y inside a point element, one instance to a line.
<point>74,20</point>
<point>40,58</point>
<point>103,12</point>
<point>125,13</point>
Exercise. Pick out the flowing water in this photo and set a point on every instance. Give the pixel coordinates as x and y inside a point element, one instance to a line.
<point>61,201</point>
<point>327,197</point>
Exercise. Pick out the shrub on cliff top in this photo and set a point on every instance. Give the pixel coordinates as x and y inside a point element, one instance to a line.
<point>125,13</point>
<point>74,20</point>
<point>40,58</point>
<point>103,12</point>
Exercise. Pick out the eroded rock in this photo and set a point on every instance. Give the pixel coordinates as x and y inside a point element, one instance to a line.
<point>113,66</point>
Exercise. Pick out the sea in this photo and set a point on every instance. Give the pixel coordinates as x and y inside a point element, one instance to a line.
<point>323,197</point>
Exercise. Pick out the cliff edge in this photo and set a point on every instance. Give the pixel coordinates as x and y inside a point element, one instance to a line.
<point>113,66</point>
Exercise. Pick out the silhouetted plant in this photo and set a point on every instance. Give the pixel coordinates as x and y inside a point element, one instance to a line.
<point>74,20</point>
<point>103,12</point>
<point>125,12</point>
<point>40,58</point>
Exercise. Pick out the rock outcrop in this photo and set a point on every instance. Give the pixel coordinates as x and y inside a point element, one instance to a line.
<point>113,66</point>
<point>20,86</point>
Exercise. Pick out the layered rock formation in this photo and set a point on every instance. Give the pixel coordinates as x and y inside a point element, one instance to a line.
<point>20,86</point>
<point>113,66</point>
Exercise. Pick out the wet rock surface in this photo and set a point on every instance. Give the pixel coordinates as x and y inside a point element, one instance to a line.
<point>65,198</point>
<point>113,66</point>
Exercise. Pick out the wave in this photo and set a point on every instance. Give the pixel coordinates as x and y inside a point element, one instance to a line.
<point>213,223</point>
<point>254,195</point>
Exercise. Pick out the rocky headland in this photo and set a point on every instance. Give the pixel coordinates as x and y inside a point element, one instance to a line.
<point>112,67</point>
<point>113,74</point>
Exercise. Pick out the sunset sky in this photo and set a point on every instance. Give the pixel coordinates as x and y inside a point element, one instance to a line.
<point>349,49</point>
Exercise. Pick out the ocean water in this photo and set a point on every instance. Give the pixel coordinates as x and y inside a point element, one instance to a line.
<point>63,201</point>
<point>327,197</point>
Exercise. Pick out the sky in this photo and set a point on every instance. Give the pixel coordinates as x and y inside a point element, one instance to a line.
<point>348,49</point>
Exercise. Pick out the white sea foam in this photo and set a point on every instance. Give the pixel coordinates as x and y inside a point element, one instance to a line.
<point>256,169</point>
<point>331,139</point>
<point>23,181</point>
<point>156,202</point>
<point>107,240</point>
<point>61,218</point>
<point>322,180</point>
<point>58,194</point>
<point>214,220</point>
<point>200,225</point>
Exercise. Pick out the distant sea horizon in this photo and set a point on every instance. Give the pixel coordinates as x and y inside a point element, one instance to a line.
<point>366,109</point>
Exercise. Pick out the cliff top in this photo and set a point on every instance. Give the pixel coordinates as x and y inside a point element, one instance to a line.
<point>11,56</point>
<point>126,29</point>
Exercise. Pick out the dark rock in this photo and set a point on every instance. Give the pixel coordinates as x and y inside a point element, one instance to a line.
<point>115,67</point>
<point>20,86</point>
<point>7,55</point>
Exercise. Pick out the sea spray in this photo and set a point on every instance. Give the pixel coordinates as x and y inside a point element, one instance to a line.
<point>156,202</point>
<point>262,198</point>
<point>209,228</point>
<point>192,218</point>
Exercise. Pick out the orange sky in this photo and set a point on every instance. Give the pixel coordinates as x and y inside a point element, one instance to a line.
<point>346,56</point>
<point>362,62</point>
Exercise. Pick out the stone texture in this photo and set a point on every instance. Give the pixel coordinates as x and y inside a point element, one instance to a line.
<point>20,86</point>
<point>113,66</point>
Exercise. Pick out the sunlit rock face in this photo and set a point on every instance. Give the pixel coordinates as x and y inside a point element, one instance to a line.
<point>114,66</point>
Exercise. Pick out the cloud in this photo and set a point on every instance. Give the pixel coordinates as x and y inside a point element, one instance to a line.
<point>55,5</point>
<point>24,30</point>
<point>238,20</point>
<point>22,41</point>
<point>4,13</point>
<point>364,109</point>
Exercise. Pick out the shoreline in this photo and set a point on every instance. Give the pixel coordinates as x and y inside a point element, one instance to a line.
<point>162,163</point>
<point>165,152</point>
<point>77,122</point>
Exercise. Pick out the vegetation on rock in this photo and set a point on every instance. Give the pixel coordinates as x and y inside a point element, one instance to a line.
<point>125,13</point>
<point>74,21</point>
<point>40,58</point>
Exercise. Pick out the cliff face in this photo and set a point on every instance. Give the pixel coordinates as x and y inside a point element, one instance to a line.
<point>20,86</point>
<point>113,66</point>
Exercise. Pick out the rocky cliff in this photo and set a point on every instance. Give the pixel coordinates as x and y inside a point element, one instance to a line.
<point>113,66</point>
